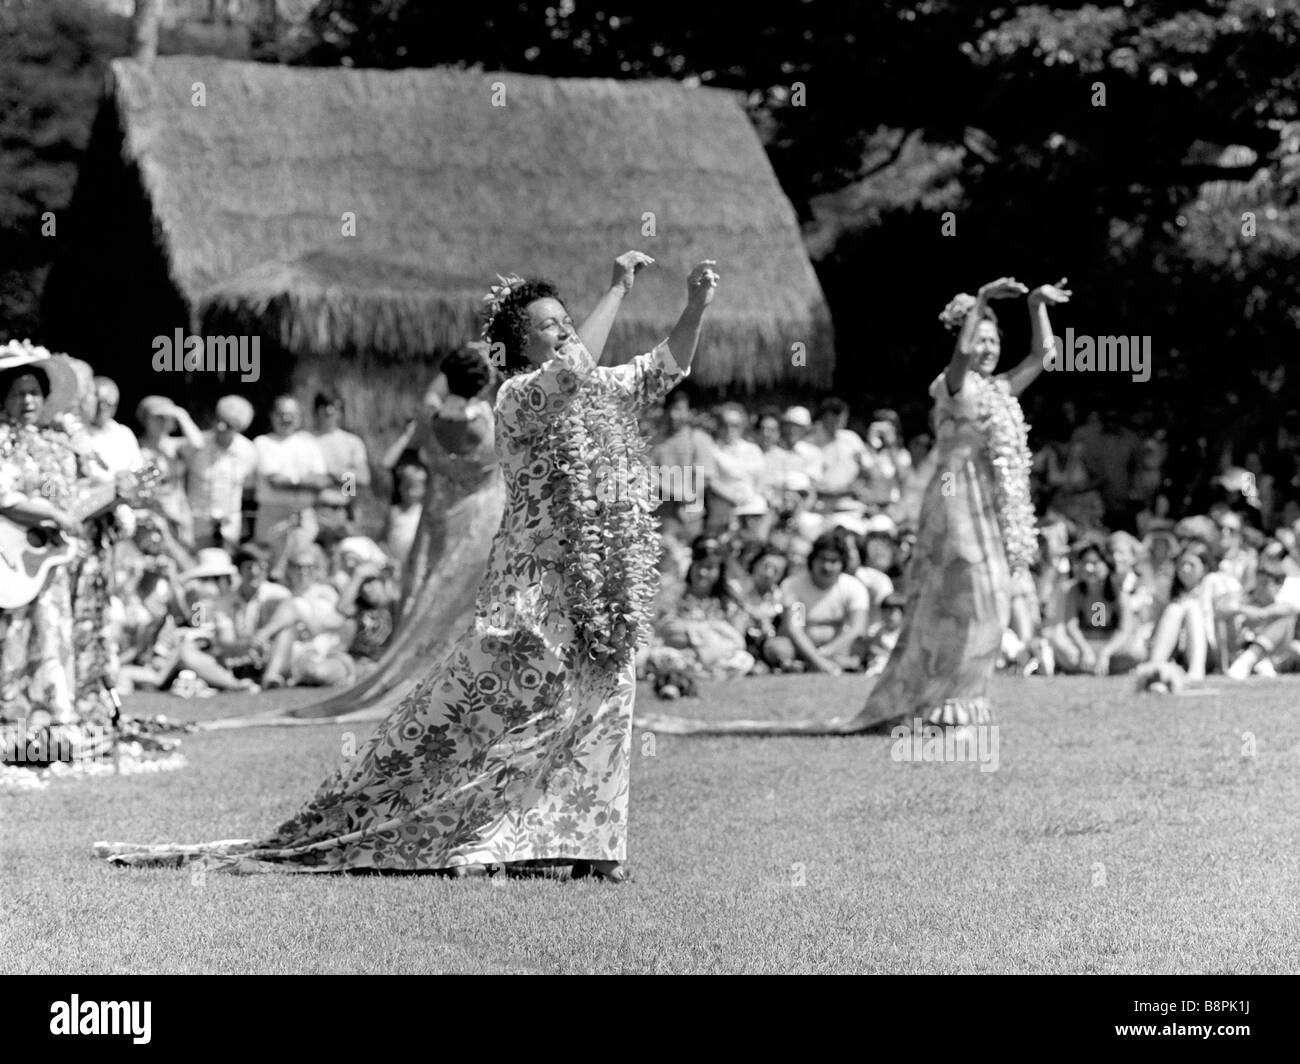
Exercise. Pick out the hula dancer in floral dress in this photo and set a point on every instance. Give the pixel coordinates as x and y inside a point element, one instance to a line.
<point>976,539</point>
<point>517,747</point>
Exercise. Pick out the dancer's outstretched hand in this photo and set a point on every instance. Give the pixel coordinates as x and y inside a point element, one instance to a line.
<point>1002,288</point>
<point>626,267</point>
<point>1051,294</point>
<point>702,283</point>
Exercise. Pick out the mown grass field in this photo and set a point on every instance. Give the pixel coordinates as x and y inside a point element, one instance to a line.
<point>1119,834</point>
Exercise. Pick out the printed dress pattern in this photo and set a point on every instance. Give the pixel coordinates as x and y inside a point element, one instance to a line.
<point>512,749</point>
<point>37,655</point>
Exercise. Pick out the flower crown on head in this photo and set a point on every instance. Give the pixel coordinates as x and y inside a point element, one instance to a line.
<point>954,314</point>
<point>24,347</point>
<point>497,295</point>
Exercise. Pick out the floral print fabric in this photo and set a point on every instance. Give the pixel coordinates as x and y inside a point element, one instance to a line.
<point>37,662</point>
<point>514,748</point>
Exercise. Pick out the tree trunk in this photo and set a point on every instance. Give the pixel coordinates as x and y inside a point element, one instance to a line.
<point>144,28</point>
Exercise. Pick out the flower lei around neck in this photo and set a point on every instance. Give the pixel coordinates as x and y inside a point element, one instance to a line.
<point>1006,438</point>
<point>603,517</point>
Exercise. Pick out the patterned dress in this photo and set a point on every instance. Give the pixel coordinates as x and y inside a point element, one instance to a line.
<point>513,748</point>
<point>57,650</point>
<point>958,583</point>
<point>37,662</point>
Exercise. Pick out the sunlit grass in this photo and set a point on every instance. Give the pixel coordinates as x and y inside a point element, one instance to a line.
<point>1119,834</point>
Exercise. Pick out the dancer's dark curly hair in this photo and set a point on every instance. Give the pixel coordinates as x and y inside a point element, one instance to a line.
<point>510,324</point>
<point>467,370</point>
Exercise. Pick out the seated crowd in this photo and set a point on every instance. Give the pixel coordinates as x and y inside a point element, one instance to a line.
<point>785,550</point>
<point>246,568</point>
<point>788,554</point>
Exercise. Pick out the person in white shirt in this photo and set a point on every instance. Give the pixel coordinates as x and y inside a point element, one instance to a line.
<point>219,471</point>
<point>826,609</point>
<point>290,470</point>
<point>739,469</point>
<point>345,454</point>
<point>845,456</point>
<point>115,444</point>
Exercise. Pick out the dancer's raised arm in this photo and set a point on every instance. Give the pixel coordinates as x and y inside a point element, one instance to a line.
<point>685,337</point>
<point>1022,376</point>
<point>595,330</point>
<point>964,354</point>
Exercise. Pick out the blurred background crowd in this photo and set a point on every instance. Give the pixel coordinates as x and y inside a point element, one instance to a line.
<point>275,560</point>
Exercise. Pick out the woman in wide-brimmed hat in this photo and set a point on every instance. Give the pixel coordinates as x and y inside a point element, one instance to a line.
<point>39,469</point>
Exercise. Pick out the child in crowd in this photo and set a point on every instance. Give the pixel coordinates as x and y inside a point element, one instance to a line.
<point>883,637</point>
<point>412,480</point>
<point>764,605</point>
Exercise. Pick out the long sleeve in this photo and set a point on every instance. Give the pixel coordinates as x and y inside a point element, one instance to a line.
<point>525,403</point>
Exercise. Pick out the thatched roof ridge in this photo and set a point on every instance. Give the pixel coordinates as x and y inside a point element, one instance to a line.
<point>248,195</point>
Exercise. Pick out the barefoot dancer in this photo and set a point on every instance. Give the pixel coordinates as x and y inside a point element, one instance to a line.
<point>976,529</point>
<point>517,748</point>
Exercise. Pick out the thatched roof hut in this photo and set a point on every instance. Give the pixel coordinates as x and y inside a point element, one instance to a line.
<point>230,217</point>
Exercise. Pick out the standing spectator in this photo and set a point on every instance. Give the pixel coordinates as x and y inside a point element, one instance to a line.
<point>797,454</point>
<point>844,456</point>
<point>219,472</point>
<point>290,471</point>
<point>171,454</point>
<point>686,452</point>
<point>1061,475</point>
<point>346,460</point>
<point>739,470</point>
<point>115,444</point>
<point>889,464</point>
<point>412,480</point>
<point>767,433</point>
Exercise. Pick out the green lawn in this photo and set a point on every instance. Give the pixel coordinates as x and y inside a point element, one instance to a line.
<point>1119,834</point>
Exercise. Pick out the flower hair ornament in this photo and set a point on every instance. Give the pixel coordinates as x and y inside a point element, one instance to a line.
<point>954,314</point>
<point>497,295</point>
<point>24,348</point>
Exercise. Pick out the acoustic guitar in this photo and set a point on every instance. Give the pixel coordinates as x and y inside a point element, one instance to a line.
<point>29,553</point>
